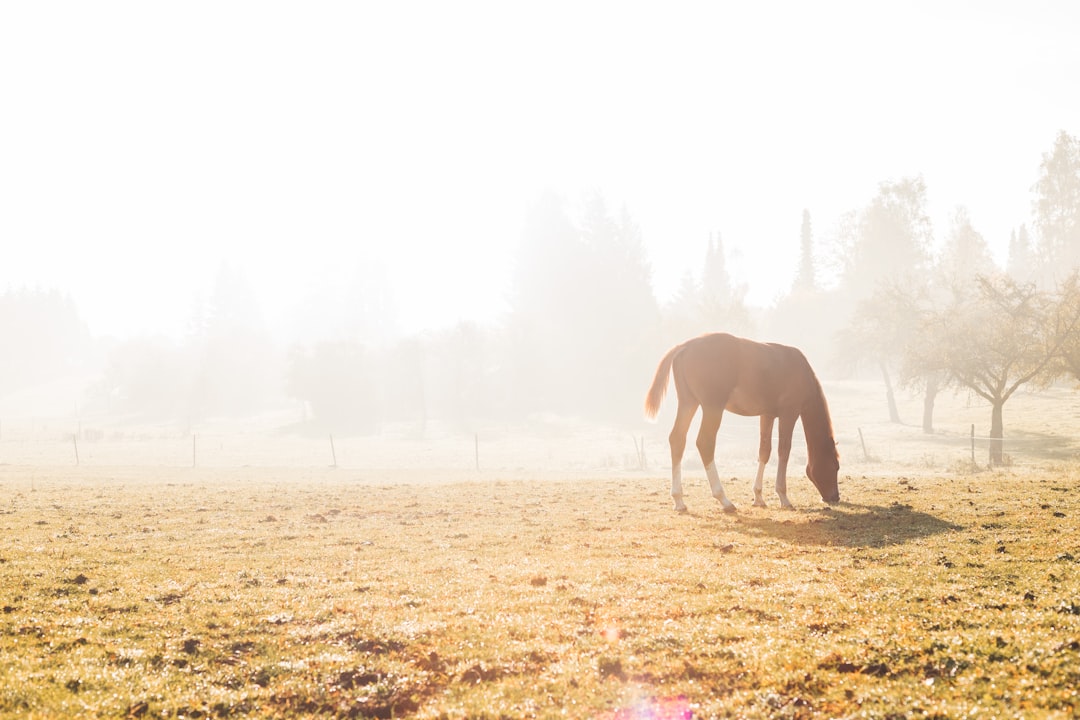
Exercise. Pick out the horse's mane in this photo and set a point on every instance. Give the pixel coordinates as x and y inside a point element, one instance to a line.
<point>816,420</point>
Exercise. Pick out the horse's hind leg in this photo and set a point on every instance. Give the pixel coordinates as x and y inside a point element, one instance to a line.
<point>706,443</point>
<point>677,440</point>
<point>764,451</point>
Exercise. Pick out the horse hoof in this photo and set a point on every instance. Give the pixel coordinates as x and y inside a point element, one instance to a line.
<point>760,503</point>
<point>680,508</point>
<point>730,509</point>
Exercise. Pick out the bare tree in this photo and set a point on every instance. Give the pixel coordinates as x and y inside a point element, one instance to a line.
<point>1069,307</point>
<point>994,339</point>
<point>891,319</point>
<point>884,324</point>
<point>887,245</point>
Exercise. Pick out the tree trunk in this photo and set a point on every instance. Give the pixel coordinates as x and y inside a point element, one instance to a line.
<point>928,404</point>
<point>894,414</point>
<point>997,433</point>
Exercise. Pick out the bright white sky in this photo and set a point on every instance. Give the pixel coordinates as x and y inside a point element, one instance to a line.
<point>143,144</point>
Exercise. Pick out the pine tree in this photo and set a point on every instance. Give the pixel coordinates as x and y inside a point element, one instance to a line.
<point>966,254</point>
<point>1021,263</point>
<point>715,281</point>
<point>722,306</point>
<point>583,288</point>
<point>1057,208</point>
<point>892,238</point>
<point>805,275</point>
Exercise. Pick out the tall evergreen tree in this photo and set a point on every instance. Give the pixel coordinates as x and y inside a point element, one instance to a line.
<point>582,289</point>
<point>722,301</point>
<point>890,247</point>
<point>235,369</point>
<point>892,238</point>
<point>1021,263</point>
<point>715,281</point>
<point>805,275</point>
<point>547,272</point>
<point>966,254</point>
<point>1057,208</point>
<point>804,316</point>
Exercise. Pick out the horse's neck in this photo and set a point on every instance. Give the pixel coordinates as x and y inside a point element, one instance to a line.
<point>817,425</point>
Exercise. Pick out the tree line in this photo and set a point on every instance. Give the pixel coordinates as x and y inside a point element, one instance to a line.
<point>585,329</point>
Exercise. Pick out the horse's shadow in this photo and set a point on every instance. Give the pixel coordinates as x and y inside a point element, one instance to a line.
<point>844,525</point>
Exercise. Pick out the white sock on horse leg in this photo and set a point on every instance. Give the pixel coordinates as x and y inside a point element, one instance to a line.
<point>715,484</point>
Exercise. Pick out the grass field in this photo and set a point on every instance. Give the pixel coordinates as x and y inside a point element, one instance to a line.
<point>556,582</point>
<point>251,592</point>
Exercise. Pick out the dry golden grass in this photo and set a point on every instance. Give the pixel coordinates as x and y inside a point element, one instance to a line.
<point>287,593</point>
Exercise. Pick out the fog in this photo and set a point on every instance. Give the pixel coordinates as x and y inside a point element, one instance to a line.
<point>213,209</point>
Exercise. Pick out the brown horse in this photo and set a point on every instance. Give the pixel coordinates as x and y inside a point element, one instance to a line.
<point>721,372</point>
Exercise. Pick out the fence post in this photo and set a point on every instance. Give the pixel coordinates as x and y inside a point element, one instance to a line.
<point>865,455</point>
<point>476,448</point>
<point>193,455</point>
<point>75,442</point>
<point>972,443</point>
<point>333,453</point>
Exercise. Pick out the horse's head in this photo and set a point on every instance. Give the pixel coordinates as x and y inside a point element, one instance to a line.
<point>822,471</point>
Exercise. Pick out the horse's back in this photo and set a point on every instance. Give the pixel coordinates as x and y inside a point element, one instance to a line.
<point>741,375</point>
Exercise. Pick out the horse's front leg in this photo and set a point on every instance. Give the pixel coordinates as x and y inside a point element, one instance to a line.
<point>764,450</point>
<point>787,427</point>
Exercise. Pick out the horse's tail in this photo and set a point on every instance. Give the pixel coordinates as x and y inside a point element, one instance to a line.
<point>659,383</point>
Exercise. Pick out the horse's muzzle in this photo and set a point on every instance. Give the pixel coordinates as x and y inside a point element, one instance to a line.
<point>833,500</point>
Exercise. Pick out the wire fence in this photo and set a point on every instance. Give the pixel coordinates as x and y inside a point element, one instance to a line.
<point>566,447</point>
<point>550,445</point>
<point>948,446</point>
